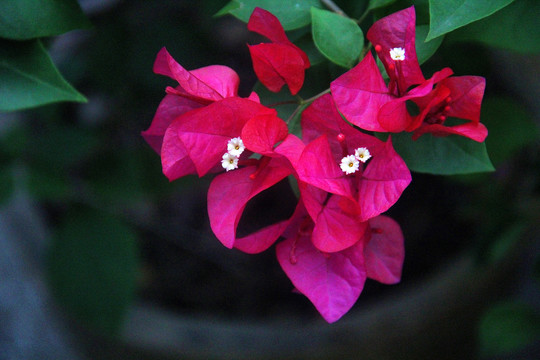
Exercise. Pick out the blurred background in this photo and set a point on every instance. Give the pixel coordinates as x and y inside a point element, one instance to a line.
<point>102,258</point>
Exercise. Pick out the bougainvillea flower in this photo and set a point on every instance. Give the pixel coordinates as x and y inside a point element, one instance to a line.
<point>263,131</point>
<point>279,62</point>
<point>385,251</point>
<point>393,38</point>
<point>362,96</point>
<point>361,93</point>
<point>341,203</point>
<point>333,281</point>
<point>378,183</point>
<point>456,97</point>
<point>196,88</point>
<point>196,141</point>
<point>228,195</point>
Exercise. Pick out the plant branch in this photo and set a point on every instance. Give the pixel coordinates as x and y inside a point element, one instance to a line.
<point>313,98</point>
<point>363,16</point>
<point>332,6</point>
<point>303,103</point>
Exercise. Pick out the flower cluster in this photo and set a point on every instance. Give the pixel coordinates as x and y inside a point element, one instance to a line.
<point>337,236</point>
<point>364,98</point>
<point>235,148</point>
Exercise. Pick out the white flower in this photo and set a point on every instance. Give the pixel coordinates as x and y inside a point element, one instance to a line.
<point>397,54</point>
<point>349,164</point>
<point>235,146</point>
<point>229,162</point>
<point>362,154</point>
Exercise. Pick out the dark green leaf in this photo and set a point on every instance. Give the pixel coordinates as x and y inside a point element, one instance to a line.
<point>449,155</point>
<point>515,28</point>
<point>308,46</point>
<point>125,176</point>
<point>28,78</point>
<point>291,14</point>
<point>6,183</point>
<point>49,184</point>
<point>282,101</point>
<point>62,146</point>
<point>338,38</point>
<point>510,127</point>
<point>228,8</point>
<point>448,15</point>
<point>30,19</point>
<point>425,50</point>
<point>375,4</point>
<point>508,327</point>
<point>503,243</point>
<point>93,268</point>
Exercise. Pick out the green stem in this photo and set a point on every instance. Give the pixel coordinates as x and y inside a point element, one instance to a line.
<point>332,6</point>
<point>313,98</point>
<point>365,50</point>
<point>302,103</point>
<point>363,16</point>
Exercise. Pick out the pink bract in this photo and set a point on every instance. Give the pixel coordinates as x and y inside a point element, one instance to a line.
<point>228,195</point>
<point>279,62</point>
<point>397,31</point>
<point>332,283</point>
<point>458,97</point>
<point>376,187</point>
<point>385,251</point>
<point>197,88</point>
<point>200,136</point>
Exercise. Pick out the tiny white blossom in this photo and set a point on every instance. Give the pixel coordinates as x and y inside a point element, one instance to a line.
<point>349,164</point>
<point>397,54</point>
<point>229,162</point>
<point>362,154</point>
<point>235,146</point>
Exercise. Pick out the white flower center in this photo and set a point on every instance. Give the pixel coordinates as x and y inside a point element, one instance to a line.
<point>349,164</point>
<point>362,154</point>
<point>229,162</point>
<point>397,54</point>
<point>235,146</point>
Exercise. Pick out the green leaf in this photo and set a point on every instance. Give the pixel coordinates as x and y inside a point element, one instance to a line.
<point>338,38</point>
<point>425,50</point>
<point>93,264</point>
<point>375,4</point>
<point>228,8</point>
<point>62,146</point>
<point>28,77</point>
<point>308,46</point>
<point>505,241</point>
<point>448,15</point>
<point>510,127</point>
<point>515,28</point>
<point>449,155</point>
<point>6,183</point>
<point>49,184</point>
<point>282,101</point>
<point>30,19</point>
<point>507,327</point>
<point>291,14</point>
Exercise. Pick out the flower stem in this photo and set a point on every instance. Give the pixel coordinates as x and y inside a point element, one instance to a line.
<point>363,16</point>
<point>313,98</point>
<point>303,103</point>
<point>332,6</point>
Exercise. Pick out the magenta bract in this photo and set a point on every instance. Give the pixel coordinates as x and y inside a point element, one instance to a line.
<point>279,62</point>
<point>196,88</point>
<point>397,31</point>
